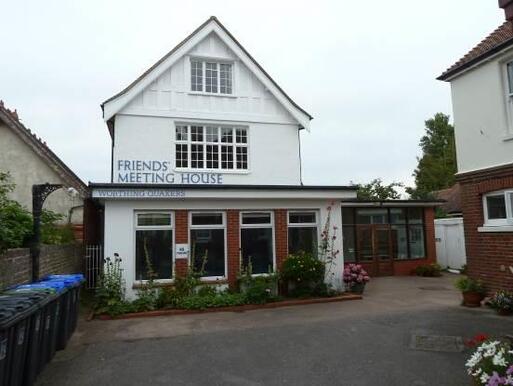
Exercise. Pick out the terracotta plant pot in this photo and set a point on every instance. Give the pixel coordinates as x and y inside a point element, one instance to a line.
<point>358,288</point>
<point>472,299</point>
<point>503,312</point>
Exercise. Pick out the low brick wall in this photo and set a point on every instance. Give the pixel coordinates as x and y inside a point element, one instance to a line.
<point>15,264</point>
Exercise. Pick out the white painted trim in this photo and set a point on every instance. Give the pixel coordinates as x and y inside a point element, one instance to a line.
<point>223,226</point>
<point>136,227</point>
<point>258,226</point>
<point>112,107</point>
<point>495,229</point>
<point>508,221</point>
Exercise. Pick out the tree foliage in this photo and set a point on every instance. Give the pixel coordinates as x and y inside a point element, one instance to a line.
<point>376,190</point>
<point>437,166</point>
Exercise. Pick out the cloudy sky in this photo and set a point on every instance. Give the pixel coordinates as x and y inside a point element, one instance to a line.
<point>364,69</point>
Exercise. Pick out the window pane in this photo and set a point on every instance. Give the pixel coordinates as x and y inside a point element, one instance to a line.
<point>302,218</point>
<point>211,77</point>
<point>256,218</point>
<point>399,242</point>
<point>207,250</point>
<point>197,133</point>
<point>372,216</point>
<point>257,248</point>
<point>225,78</point>
<point>207,219</point>
<point>212,134</point>
<point>397,215</point>
<point>181,156</point>
<point>510,77</point>
<point>241,136</point>
<point>197,156</point>
<point>196,76</point>
<point>242,157</point>
<point>303,239</point>
<point>496,206</point>
<point>417,241</point>
<point>348,216</point>
<point>226,135</point>
<point>212,156</point>
<point>415,215</point>
<point>153,219</point>
<point>181,133</point>
<point>348,234</point>
<point>227,157</point>
<point>159,245</point>
<point>365,244</point>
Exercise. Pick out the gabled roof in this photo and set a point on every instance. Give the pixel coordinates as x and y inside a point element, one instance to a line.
<point>12,121</point>
<point>497,41</point>
<point>211,24</point>
<point>452,196</point>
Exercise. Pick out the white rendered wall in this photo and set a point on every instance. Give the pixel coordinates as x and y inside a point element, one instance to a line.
<point>120,237</point>
<point>273,149</point>
<point>484,130</point>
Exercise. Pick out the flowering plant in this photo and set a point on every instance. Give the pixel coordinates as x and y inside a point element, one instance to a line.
<point>502,300</point>
<point>491,364</point>
<point>355,274</point>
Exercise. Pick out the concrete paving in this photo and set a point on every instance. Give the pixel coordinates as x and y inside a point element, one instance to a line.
<point>362,342</point>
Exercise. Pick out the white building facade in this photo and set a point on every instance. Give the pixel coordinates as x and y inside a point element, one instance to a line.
<point>206,161</point>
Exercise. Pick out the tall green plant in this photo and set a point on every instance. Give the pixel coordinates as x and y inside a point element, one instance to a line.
<point>110,294</point>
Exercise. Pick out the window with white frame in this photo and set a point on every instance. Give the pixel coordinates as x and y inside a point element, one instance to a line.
<point>509,96</point>
<point>211,147</point>
<point>257,246</point>
<point>498,208</point>
<point>211,77</point>
<point>208,252</point>
<point>154,245</point>
<point>302,232</point>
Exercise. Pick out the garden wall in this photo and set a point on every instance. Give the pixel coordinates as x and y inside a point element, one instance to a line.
<point>16,265</point>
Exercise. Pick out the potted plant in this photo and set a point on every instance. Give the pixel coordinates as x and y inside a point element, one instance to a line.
<point>502,302</point>
<point>472,290</point>
<point>355,278</point>
<point>491,363</point>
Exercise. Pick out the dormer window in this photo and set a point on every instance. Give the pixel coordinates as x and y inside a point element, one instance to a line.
<point>211,77</point>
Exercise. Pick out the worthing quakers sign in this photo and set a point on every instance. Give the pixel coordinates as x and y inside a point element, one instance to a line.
<point>160,172</point>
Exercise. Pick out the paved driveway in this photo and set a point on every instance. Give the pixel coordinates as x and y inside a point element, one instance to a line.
<point>367,342</point>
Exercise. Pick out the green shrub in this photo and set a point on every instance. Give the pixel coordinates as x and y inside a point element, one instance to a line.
<point>304,273</point>
<point>110,294</point>
<point>53,233</point>
<point>467,284</point>
<point>223,299</point>
<point>167,298</point>
<point>428,270</point>
<point>15,225</point>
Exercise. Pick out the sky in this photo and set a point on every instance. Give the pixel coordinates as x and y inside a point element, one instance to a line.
<point>365,70</point>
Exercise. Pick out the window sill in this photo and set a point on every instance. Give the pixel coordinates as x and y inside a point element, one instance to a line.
<point>211,94</point>
<point>495,229</point>
<point>170,282</point>
<point>216,171</point>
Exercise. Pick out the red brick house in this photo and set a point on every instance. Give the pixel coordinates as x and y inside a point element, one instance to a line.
<point>482,97</point>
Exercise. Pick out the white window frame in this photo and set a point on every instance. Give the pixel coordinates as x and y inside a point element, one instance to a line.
<point>508,221</point>
<point>508,99</point>
<point>138,227</point>
<point>257,226</point>
<point>212,226</point>
<point>234,145</point>
<point>303,225</point>
<point>218,63</point>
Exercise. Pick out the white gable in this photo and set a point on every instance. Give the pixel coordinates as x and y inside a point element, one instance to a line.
<point>165,89</point>
<point>170,93</point>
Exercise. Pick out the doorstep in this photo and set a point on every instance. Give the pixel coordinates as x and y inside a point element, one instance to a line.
<point>246,307</point>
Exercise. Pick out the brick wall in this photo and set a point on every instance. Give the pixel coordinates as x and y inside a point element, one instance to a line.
<point>281,236</point>
<point>233,242</point>
<point>181,237</point>
<point>16,265</point>
<point>489,255</point>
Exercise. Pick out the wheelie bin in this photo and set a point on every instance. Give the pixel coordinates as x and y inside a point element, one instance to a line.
<point>42,346</point>
<point>17,327</point>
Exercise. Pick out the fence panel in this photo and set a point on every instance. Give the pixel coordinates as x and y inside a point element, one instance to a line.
<point>450,242</point>
<point>94,265</point>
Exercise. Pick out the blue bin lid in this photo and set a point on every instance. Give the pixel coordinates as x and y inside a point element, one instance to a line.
<point>68,282</point>
<point>76,277</point>
<point>57,286</point>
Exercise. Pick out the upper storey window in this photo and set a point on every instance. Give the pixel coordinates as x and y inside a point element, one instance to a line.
<point>211,147</point>
<point>498,208</point>
<point>211,77</point>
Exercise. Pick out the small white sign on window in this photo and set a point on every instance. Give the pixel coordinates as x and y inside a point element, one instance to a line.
<point>182,251</point>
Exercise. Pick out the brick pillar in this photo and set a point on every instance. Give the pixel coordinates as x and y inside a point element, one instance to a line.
<point>429,221</point>
<point>281,236</point>
<point>181,237</point>
<point>233,242</point>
